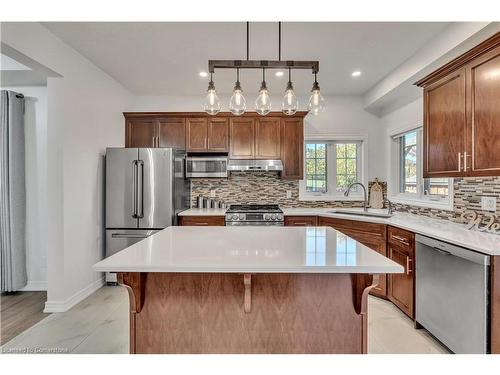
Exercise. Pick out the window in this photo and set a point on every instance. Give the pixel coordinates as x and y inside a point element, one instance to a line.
<point>330,167</point>
<point>412,185</point>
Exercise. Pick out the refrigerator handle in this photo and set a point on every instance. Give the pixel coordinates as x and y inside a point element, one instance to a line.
<point>134,189</point>
<point>140,190</point>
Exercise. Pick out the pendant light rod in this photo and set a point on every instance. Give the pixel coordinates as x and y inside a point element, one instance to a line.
<point>279,41</point>
<point>248,40</point>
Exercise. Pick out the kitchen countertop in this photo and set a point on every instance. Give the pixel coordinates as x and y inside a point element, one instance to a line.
<point>443,230</point>
<point>249,250</point>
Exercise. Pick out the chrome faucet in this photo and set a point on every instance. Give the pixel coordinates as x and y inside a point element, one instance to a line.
<point>365,204</point>
<point>390,207</point>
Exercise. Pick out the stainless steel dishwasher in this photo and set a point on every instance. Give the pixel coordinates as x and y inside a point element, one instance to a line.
<point>452,294</point>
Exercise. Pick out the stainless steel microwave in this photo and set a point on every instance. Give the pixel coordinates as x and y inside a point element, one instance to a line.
<point>206,166</point>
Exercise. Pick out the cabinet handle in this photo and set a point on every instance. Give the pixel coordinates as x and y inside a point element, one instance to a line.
<point>465,161</point>
<point>300,223</point>
<point>459,161</point>
<point>408,263</point>
<point>400,239</point>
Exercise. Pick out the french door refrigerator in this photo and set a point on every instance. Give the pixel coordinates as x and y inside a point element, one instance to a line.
<point>145,189</point>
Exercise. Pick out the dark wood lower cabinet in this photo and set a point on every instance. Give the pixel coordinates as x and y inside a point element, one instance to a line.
<point>401,287</point>
<point>371,235</point>
<point>301,221</point>
<point>201,220</point>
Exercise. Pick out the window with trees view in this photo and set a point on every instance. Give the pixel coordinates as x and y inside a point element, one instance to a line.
<point>411,182</point>
<point>330,166</point>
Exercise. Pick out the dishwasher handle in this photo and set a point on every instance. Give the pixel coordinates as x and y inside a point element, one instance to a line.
<point>446,248</point>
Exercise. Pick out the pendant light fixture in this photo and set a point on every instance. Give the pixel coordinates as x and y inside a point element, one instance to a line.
<point>316,101</point>
<point>237,104</point>
<point>263,101</point>
<point>290,102</point>
<point>212,102</point>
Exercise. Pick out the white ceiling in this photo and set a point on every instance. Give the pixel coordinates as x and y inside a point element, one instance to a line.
<point>165,58</point>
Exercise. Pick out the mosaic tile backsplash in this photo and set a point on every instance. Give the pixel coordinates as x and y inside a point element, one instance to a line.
<point>467,197</point>
<point>258,187</point>
<point>268,187</point>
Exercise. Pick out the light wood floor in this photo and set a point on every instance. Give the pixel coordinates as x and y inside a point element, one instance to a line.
<point>20,311</point>
<point>99,324</point>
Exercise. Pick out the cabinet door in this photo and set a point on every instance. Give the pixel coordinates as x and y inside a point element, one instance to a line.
<point>201,221</point>
<point>171,132</point>
<point>292,148</point>
<point>218,135</point>
<point>483,75</point>
<point>267,138</point>
<point>140,133</point>
<point>197,134</point>
<point>401,289</point>
<point>242,134</point>
<point>301,221</point>
<point>445,126</point>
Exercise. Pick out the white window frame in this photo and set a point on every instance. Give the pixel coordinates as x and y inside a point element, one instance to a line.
<point>331,193</point>
<point>418,199</point>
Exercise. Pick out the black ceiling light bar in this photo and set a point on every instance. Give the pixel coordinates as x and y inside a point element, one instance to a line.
<point>260,64</point>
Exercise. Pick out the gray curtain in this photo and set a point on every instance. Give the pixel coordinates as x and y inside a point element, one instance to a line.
<point>12,193</point>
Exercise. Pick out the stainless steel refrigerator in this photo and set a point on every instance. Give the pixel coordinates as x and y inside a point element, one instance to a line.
<point>145,189</point>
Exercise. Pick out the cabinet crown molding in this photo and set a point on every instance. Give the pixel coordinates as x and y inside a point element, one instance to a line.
<point>299,114</point>
<point>460,61</point>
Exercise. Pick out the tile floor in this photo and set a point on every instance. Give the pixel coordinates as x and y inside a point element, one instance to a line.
<point>99,324</point>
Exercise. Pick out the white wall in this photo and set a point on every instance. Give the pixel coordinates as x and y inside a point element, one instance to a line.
<point>343,115</point>
<point>84,116</point>
<point>35,122</point>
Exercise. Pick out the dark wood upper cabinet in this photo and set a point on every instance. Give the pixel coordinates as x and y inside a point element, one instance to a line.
<point>196,134</point>
<point>171,132</point>
<point>267,138</point>
<point>140,132</point>
<point>462,114</point>
<point>445,125</point>
<point>292,148</point>
<point>483,75</point>
<point>242,136</point>
<point>218,135</point>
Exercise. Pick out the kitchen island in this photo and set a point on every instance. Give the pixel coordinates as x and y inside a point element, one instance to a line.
<point>248,290</point>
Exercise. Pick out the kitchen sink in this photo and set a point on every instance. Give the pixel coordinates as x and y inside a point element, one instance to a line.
<point>361,213</point>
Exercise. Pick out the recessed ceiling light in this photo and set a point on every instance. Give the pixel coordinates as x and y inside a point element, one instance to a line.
<point>356,73</point>
<point>279,73</point>
<point>203,74</point>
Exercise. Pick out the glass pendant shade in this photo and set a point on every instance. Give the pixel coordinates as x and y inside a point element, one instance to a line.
<point>212,103</point>
<point>263,101</point>
<point>316,101</point>
<point>237,104</point>
<point>290,103</point>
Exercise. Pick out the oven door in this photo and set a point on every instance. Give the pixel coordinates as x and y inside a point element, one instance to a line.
<point>206,167</point>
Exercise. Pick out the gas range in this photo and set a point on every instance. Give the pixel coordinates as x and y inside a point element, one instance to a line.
<point>254,214</point>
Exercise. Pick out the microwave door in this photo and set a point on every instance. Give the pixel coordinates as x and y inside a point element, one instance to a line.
<point>155,207</point>
<point>121,187</point>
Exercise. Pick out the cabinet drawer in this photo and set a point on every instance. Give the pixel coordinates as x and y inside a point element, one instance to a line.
<point>201,220</point>
<point>301,221</point>
<point>400,237</point>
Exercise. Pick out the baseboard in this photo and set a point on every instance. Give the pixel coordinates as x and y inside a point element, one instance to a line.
<point>63,306</point>
<point>34,286</point>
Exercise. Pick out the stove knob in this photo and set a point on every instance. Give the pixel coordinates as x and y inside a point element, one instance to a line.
<point>235,216</point>
<point>267,217</point>
<point>242,217</point>
<point>280,217</point>
<point>273,216</point>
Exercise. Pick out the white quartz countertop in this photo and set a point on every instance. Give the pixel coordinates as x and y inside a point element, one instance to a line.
<point>249,250</point>
<point>443,230</point>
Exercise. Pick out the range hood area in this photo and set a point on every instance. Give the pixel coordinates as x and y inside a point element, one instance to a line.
<point>253,165</point>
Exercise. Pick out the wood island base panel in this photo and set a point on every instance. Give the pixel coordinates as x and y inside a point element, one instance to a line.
<point>247,313</point>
